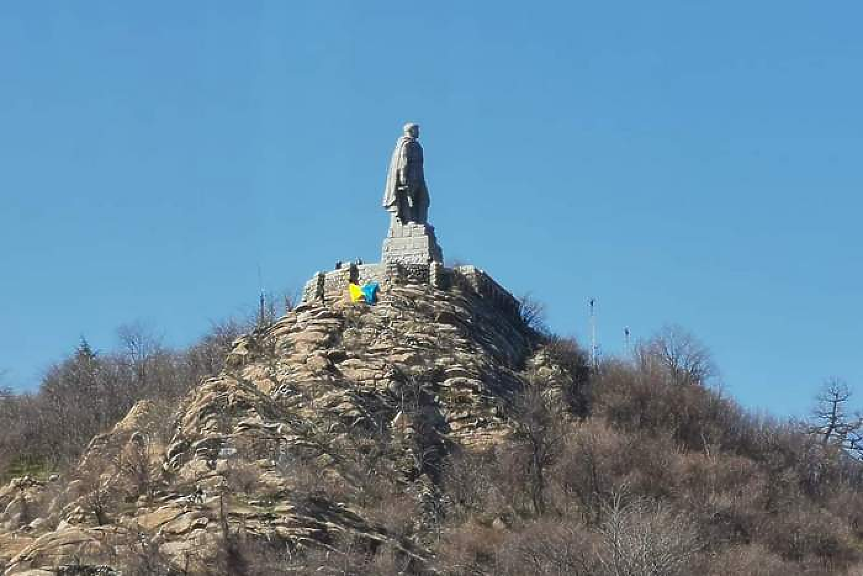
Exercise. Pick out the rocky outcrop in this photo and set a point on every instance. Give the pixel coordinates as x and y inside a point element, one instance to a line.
<point>298,408</point>
<point>63,546</point>
<point>18,501</point>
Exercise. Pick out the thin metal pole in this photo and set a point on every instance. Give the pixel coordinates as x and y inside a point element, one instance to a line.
<point>592,304</point>
<point>626,341</point>
<point>262,298</point>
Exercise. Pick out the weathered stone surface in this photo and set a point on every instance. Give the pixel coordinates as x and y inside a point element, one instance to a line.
<point>11,543</point>
<point>411,244</point>
<point>153,520</point>
<point>58,548</point>
<point>431,368</point>
<point>303,390</point>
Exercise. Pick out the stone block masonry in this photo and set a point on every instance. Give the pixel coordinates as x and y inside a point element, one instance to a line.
<point>411,253</point>
<point>333,285</point>
<point>411,243</point>
<point>486,287</point>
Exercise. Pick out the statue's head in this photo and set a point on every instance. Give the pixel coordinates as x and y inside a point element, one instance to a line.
<point>412,130</point>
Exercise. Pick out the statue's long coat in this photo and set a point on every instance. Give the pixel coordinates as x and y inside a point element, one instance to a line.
<point>401,158</point>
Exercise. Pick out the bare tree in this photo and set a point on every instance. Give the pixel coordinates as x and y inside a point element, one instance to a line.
<point>539,427</point>
<point>831,422</point>
<point>138,342</point>
<point>271,307</point>
<point>533,313</point>
<point>417,422</point>
<point>139,465</point>
<point>146,367</point>
<point>548,547</point>
<point>644,539</point>
<point>99,495</point>
<point>76,396</point>
<point>207,356</point>
<point>678,356</point>
<point>575,388</point>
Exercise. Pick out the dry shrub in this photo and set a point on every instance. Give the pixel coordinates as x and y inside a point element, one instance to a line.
<point>139,555</point>
<point>647,538</point>
<point>705,475</point>
<point>548,547</point>
<point>747,560</point>
<point>346,555</point>
<point>593,462</point>
<point>469,549</point>
<point>398,515</point>
<point>311,481</point>
<point>539,429</point>
<point>269,558</point>
<point>140,470</point>
<point>809,534</point>
<point>597,461</point>
<point>725,493</point>
<point>472,483</point>
<point>349,555</point>
<point>99,495</point>
<point>848,505</point>
<point>371,467</point>
<point>637,401</point>
<point>652,461</point>
<point>568,355</point>
<point>387,561</point>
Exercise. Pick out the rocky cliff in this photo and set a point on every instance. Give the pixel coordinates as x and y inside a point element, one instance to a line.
<point>309,416</point>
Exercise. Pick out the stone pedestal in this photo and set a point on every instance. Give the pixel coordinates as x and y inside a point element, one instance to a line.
<point>411,243</point>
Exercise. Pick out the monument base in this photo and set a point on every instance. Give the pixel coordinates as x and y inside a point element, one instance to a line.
<point>333,285</point>
<point>411,243</point>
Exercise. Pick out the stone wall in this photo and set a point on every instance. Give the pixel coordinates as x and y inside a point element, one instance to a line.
<point>486,287</point>
<point>333,285</point>
<point>369,273</point>
<point>411,244</point>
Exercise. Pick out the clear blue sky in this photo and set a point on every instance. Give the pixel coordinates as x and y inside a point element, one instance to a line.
<point>683,162</point>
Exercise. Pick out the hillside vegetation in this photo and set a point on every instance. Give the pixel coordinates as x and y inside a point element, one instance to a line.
<point>429,434</point>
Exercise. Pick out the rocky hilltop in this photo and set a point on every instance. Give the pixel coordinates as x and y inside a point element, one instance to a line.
<point>327,429</point>
<point>308,409</point>
<point>407,418</point>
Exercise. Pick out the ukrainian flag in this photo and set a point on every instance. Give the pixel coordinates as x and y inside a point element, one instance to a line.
<point>367,293</point>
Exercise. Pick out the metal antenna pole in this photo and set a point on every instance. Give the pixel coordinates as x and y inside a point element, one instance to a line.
<point>592,304</point>
<point>626,341</point>
<point>261,299</point>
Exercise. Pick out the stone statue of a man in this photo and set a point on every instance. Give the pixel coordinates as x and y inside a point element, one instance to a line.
<point>406,196</point>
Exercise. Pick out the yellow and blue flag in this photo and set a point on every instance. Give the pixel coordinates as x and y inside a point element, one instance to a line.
<point>367,293</point>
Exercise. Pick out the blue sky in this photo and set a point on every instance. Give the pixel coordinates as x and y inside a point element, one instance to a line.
<point>682,162</point>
